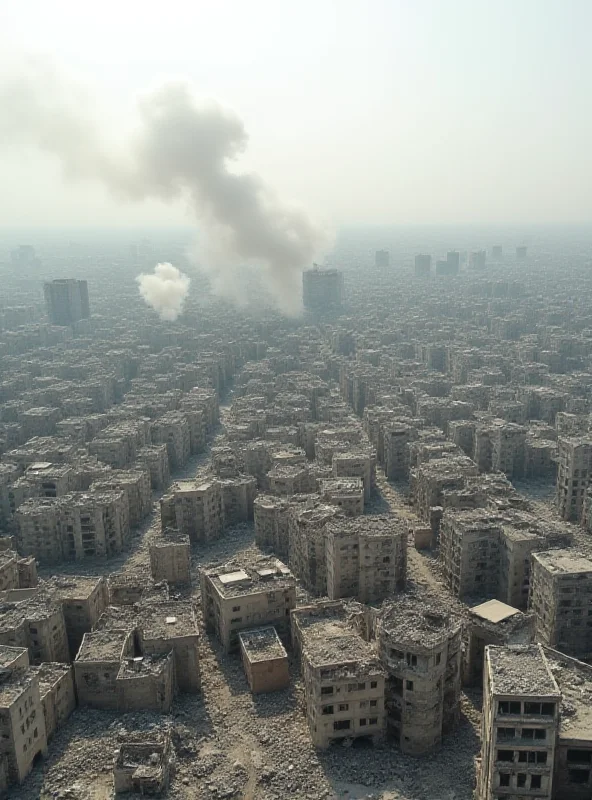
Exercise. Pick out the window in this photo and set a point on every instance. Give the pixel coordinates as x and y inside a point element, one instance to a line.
<point>535,781</point>
<point>373,721</point>
<point>373,703</point>
<point>579,757</point>
<point>411,660</point>
<point>373,684</point>
<point>361,686</point>
<point>344,706</point>
<point>504,779</point>
<point>236,619</point>
<point>537,709</point>
<point>521,780</point>
<point>327,710</point>
<point>505,733</point>
<point>579,775</point>
<point>326,690</point>
<point>341,725</point>
<point>532,757</point>
<point>362,722</point>
<point>438,658</point>
<point>397,654</point>
<point>236,608</point>
<point>505,707</point>
<point>505,755</point>
<point>409,686</point>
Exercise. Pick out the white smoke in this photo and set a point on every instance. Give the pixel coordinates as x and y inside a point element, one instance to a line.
<point>180,149</point>
<point>165,290</point>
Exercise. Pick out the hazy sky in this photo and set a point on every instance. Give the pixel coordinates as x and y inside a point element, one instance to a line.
<point>373,111</point>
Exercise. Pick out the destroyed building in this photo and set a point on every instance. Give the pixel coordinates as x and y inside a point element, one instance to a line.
<point>344,681</point>
<point>239,596</point>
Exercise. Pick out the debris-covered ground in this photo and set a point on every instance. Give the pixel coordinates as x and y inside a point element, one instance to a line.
<point>231,744</point>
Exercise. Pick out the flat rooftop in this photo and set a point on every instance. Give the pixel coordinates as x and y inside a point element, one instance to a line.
<point>262,644</point>
<point>266,574</point>
<point>167,620</point>
<point>328,640</point>
<point>74,587</point>
<point>575,682</point>
<point>494,611</point>
<point>417,621</point>
<point>521,670</point>
<point>9,654</point>
<point>564,562</point>
<point>102,646</point>
<point>13,682</point>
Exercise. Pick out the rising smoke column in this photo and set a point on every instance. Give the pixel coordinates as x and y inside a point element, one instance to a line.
<point>164,290</point>
<point>180,149</point>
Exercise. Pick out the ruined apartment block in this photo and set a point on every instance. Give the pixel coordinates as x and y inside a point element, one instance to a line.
<point>574,473</point>
<point>155,458</point>
<point>561,599</point>
<point>242,596</point>
<point>135,484</point>
<point>94,524</point>
<point>271,523</point>
<point>170,557</point>
<point>36,622</point>
<point>83,600</point>
<point>173,430</point>
<point>521,705</point>
<point>344,682</point>
<point>22,725</point>
<point>58,698</point>
<point>366,558</point>
<point>492,623</point>
<point>357,462</point>
<point>307,550</point>
<point>265,660</point>
<point>420,648</point>
<point>345,493</point>
<point>143,767</point>
<point>194,509</point>
<point>572,778</point>
<point>237,495</point>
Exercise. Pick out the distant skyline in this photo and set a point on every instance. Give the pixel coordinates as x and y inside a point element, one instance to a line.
<point>377,112</point>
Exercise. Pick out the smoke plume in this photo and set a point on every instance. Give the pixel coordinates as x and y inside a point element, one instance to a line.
<point>181,149</point>
<point>165,290</point>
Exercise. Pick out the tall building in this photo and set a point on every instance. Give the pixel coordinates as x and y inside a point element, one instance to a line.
<point>23,255</point>
<point>423,265</point>
<point>453,261</point>
<point>496,252</point>
<point>66,300</point>
<point>382,258</point>
<point>322,289</point>
<point>477,259</point>
<point>521,251</point>
<point>519,724</point>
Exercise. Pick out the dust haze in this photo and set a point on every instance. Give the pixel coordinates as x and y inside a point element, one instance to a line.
<point>179,149</point>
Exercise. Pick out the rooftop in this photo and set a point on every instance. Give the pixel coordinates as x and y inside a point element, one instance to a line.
<point>234,579</point>
<point>494,611</point>
<point>13,682</point>
<point>9,654</point>
<point>416,621</point>
<point>262,644</point>
<point>328,640</point>
<point>103,646</point>
<point>575,682</point>
<point>564,562</point>
<point>521,670</point>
